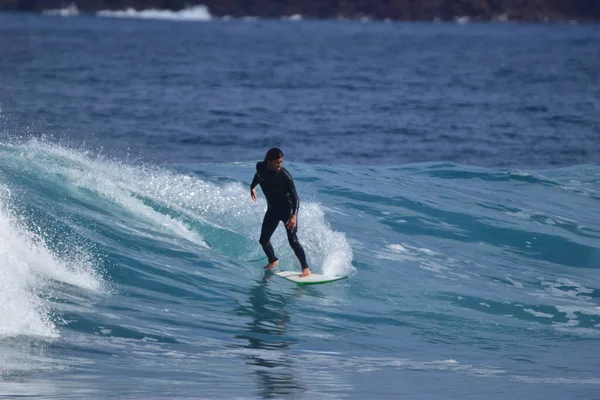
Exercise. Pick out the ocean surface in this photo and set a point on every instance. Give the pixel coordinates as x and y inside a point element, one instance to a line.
<point>451,170</point>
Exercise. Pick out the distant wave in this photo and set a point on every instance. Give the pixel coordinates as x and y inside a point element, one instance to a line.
<point>295,17</point>
<point>202,13</point>
<point>69,11</point>
<point>197,13</point>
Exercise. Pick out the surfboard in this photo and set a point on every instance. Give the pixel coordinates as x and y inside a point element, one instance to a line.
<point>313,279</point>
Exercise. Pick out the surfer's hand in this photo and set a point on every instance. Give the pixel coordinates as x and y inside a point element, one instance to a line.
<point>291,223</point>
<point>253,194</point>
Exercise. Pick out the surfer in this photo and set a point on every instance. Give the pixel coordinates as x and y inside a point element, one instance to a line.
<point>283,205</point>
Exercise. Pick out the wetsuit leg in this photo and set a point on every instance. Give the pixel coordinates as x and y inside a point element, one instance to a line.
<point>295,245</point>
<point>270,222</point>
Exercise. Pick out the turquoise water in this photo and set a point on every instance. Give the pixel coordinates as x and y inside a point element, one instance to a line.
<point>131,281</point>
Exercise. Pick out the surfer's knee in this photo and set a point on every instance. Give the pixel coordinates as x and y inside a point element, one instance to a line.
<point>295,243</point>
<point>293,240</point>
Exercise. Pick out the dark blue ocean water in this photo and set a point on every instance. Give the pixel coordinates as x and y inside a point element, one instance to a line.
<point>327,92</point>
<point>451,170</point>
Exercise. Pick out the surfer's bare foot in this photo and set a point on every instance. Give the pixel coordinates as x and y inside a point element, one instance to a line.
<point>305,272</point>
<point>272,265</point>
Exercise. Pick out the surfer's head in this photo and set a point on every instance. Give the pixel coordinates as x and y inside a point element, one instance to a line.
<point>274,159</point>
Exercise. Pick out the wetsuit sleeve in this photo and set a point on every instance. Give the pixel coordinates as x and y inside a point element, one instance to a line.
<point>256,178</point>
<point>254,181</point>
<point>293,194</point>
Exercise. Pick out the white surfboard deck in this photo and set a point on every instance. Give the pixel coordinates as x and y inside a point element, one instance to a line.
<point>313,279</point>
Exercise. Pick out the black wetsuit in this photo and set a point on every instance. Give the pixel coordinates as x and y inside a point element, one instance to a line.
<point>282,199</point>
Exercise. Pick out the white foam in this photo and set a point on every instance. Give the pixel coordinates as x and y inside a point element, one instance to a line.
<point>433,266</point>
<point>404,248</point>
<point>27,266</point>
<point>520,173</point>
<point>118,183</point>
<point>568,324</point>
<point>427,259</point>
<point>555,380</point>
<point>564,289</point>
<point>520,214</point>
<point>538,314</point>
<point>69,11</point>
<point>197,13</point>
<point>578,287</point>
<point>515,283</point>
<point>398,248</point>
<point>571,310</point>
<point>332,210</point>
<point>324,247</point>
<point>295,17</point>
<point>504,18</point>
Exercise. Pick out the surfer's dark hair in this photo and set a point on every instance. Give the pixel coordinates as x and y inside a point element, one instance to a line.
<point>273,154</point>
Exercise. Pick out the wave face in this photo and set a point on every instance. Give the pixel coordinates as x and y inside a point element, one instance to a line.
<point>139,276</point>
